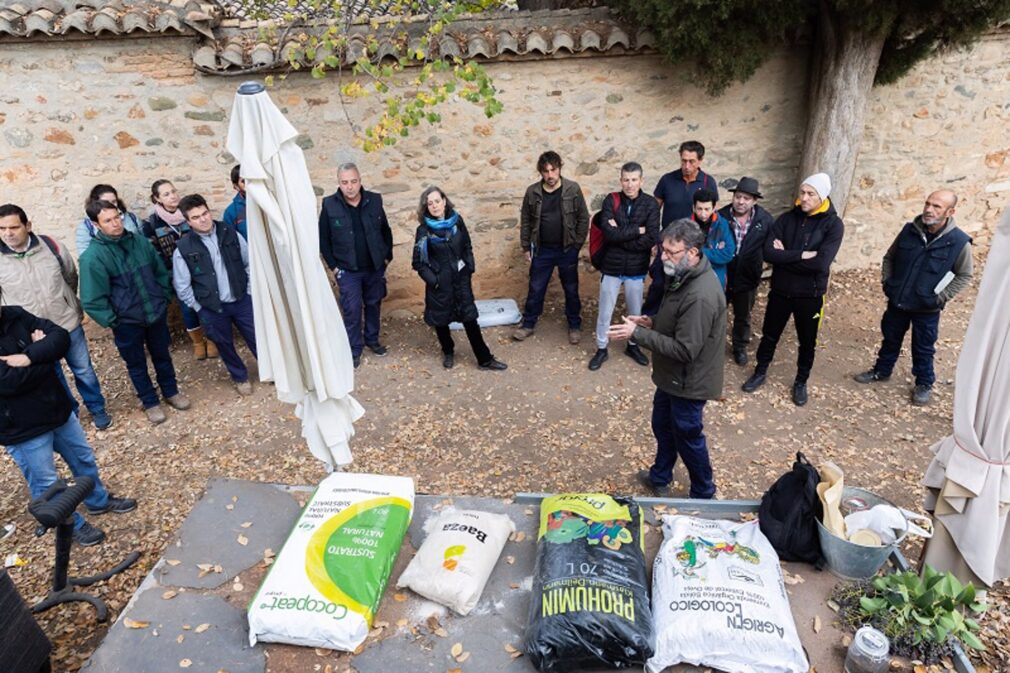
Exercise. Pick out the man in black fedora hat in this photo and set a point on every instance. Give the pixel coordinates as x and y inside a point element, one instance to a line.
<point>750,224</point>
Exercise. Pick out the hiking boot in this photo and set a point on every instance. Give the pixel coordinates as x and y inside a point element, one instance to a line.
<point>740,357</point>
<point>598,359</point>
<point>574,336</point>
<point>102,420</point>
<point>494,365</point>
<point>178,401</point>
<point>212,350</point>
<point>448,360</point>
<point>88,535</point>
<point>645,478</point>
<point>870,376</point>
<point>377,349</point>
<point>244,388</point>
<point>116,506</point>
<point>521,333</point>
<point>636,354</point>
<point>156,414</point>
<point>756,380</point>
<point>921,395</point>
<point>799,394</point>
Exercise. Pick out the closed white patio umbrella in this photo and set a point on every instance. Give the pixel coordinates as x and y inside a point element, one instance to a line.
<point>968,480</point>
<point>300,335</point>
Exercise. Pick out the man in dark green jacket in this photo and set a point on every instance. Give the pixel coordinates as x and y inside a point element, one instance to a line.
<point>125,286</point>
<point>686,339</point>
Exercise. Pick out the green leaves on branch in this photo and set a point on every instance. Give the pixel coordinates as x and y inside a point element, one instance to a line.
<point>931,608</point>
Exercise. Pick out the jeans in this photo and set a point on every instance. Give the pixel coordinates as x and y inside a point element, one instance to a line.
<point>361,290</point>
<point>541,269</point>
<point>218,328</point>
<point>743,304</point>
<point>925,329</point>
<point>610,286</point>
<point>131,340</point>
<point>189,318</point>
<point>477,343</point>
<point>86,380</point>
<point>806,313</point>
<point>677,425</point>
<point>35,458</point>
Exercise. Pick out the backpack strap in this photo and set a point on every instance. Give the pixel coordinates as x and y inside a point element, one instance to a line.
<point>54,248</point>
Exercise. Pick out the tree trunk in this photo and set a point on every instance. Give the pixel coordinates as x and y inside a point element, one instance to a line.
<point>844,65</point>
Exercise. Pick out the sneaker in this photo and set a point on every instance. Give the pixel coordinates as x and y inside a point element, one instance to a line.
<point>448,360</point>
<point>494,365</point>
<point>357,361</point>
<point>243,388</point>
<point>756,380</point>
<point>740,357</point>
<point>377,349</point>
<point>869,376</point>
<point>521,333</point>
<point>636,354</point>
<point>574,336</point>
<point>921,395</point>
<point>156,414</point>
<point>102,420</point>
<point>178,401</point>
<point>116,506</point>
<point>598,359</point>
<point>799,394</point>
<point>645,478</point>
<point>88,535</point>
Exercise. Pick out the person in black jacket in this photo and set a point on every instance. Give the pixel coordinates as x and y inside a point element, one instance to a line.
<point>801,246</point>
<point>443,258</point>
<point>357,244</point>
<point>36,416</point>
<point>749,223</point>
<point>630,229</point>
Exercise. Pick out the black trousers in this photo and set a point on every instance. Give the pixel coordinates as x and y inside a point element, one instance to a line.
<point>806,313</point>
<point>480,349</point>
<point>742,303</point>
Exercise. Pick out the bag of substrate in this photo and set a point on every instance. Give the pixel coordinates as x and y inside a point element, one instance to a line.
<point>719,600</point>
<point>590,602</point>
<point>457,557</point>
<point>326,583</point>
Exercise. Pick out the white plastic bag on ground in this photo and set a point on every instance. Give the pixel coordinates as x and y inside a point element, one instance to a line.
<point>328,580</point>
<point>457,557</point>
<point>718,600</point>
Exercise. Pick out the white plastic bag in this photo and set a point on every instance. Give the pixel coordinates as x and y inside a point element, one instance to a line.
<point>888,522</point>
<point>454,562</point>
<point>718,600</point>
<point>325,585</point>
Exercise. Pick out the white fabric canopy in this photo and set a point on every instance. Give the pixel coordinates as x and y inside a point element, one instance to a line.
<point>300,336</point>
<point>969,477</point>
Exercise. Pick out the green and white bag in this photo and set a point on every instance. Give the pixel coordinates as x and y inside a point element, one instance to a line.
<point>327,582</point>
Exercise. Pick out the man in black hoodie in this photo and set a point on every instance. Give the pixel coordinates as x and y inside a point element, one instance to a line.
<point>801,246</point>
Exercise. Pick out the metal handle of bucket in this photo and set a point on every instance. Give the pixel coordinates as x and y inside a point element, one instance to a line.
<point>914,529</point>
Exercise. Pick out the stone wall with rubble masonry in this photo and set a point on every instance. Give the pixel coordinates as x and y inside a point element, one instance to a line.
<point>129,111</point>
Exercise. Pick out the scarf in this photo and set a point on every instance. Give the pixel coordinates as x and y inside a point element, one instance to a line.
<point>442,225</point>
<point>448,224</point>
<point>176,219</point>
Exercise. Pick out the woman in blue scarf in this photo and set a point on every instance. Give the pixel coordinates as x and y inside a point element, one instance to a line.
<point>443,258</point>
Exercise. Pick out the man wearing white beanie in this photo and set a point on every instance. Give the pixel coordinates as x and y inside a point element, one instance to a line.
<point>801,246</point>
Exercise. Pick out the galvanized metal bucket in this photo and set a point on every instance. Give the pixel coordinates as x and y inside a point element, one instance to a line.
<point>849,560</point>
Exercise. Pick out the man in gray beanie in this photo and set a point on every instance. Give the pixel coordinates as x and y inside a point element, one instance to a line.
<point>801,246</point>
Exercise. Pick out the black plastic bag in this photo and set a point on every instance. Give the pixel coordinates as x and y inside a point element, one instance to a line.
<point>590,598</point>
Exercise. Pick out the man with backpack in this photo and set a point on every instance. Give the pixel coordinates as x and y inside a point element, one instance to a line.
<point>629,227</point>
<point>553,225</point>
<point>40,275</point>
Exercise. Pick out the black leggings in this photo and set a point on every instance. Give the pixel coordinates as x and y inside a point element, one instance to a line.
<point>480,349</point>
<point>806,313</point>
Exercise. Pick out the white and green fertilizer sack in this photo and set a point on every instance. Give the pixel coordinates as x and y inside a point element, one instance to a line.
<point>718,600</point>
<point>327,582</point>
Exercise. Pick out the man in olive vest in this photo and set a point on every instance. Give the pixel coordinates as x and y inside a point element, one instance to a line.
<point>210,271</point>
<point>927,264</point>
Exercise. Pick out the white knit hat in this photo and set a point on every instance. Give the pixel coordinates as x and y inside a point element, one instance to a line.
<point>821,184</point>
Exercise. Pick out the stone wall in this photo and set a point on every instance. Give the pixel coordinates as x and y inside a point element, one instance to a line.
<point>129,111</point>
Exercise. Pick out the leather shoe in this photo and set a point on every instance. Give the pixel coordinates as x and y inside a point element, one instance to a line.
<point>921,395</point>
<point>156,414</point>
<point>598,359</point>
<point>799,394</point>
<point>448,360</point>
<point>574,336</point>
<point>377,349</point>
<point>636,354</point>
<point>740,357</point>
<point>756,380</point>
<point>494,365</point>
<point>521,333</point>
<point>869,376</point>
<point>645,478</point>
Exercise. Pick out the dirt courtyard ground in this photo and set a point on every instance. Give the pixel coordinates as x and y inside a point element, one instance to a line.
<point>546,424</point>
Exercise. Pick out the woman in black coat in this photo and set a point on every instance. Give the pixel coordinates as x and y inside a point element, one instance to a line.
<point>443,258</point>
